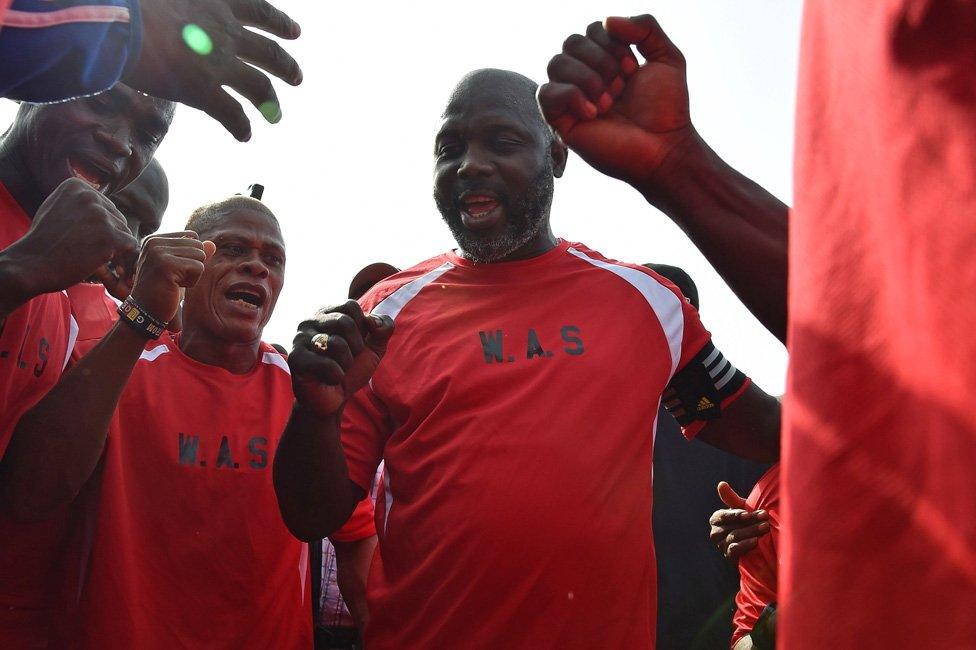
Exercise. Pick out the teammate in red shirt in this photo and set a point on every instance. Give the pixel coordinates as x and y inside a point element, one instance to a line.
<point>143,203</point>
<point>759,566</point>
<point>514,410</point>
<point>878,396</point>
<point>190,550</point>
<point>56,229</point>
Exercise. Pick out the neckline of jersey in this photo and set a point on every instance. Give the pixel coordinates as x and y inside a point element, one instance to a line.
<point>223,373</point>
<point>556,251</point>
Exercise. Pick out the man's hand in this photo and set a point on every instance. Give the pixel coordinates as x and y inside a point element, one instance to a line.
<point>167,265</point>
<point>191,48</point>
<point>736,530</point>
<point>75,233</point>
<point>621,117</point>
<point>335,354</point>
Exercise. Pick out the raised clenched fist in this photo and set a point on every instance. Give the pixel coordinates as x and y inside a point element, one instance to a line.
<point>623,117</point>
<point>74,235</point>
<point>335,354</point>
<point>168,264</point>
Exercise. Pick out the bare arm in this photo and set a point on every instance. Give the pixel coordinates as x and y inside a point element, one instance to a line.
<point>334,355</point>
<point>311,479</point>
<point>632,121</point>
<point>749,427</point>
<point>352,568</point>
<point>56,444</point>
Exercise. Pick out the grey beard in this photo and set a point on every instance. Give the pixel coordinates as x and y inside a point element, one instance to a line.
<point>526,220</point>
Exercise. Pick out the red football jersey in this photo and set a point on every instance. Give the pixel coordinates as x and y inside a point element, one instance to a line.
<point>35,341</point>
<point>189,549</point>
<point>879,505</point>
<point>515,410</point>
<point>758,567</point>
<point>94,312</point>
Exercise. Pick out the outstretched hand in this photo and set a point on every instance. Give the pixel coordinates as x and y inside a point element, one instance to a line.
<point>623,117</point>
<point>736,531</point>
<point>335,354</point>
<point>192,48</point>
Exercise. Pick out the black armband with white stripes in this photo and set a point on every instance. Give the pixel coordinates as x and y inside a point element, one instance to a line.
<point>696,392</point>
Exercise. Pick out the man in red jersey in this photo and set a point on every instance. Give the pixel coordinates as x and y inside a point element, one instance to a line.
<point>514,409</point>
<point>57,228</point>
<point>143,203</point>
<point>186,511</point>
<point>758,559</point>
<point>884,177</point>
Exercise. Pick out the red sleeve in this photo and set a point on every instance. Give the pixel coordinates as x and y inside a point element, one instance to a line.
<point>695,346</point>
<point>758,568</point>
<point>365,428</point>
<point>360,524</point>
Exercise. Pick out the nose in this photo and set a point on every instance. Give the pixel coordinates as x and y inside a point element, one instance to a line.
<point>474,164</point>
<point>117,142</point>
<point>254,266</point>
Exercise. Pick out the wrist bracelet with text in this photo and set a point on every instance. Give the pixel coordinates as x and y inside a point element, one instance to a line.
<point>140,320</point>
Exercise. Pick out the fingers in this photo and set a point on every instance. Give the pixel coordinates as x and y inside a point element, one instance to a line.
<point>380,329</point>
<point>260,14</point>
<point>257,88</point>
<point>118,287</point>
<point>228,111</point>
<point>305,363</point>
<point>644,32</point>
<point>563,105</point>
<point>730,498</point>
<point>736,550</point>
<point>568,70</point>
<point>618,51</point>
<point>268,55</point>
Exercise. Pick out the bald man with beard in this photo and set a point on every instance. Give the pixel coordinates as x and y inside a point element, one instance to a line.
<point>514,409</point>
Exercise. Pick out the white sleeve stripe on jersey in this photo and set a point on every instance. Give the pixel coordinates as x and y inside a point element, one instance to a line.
<point>72,338</point>
<point>155,353</point>
<point>396,301</point>
<point>663,302</point>
<point>275,359</point>
<point>388,499</point>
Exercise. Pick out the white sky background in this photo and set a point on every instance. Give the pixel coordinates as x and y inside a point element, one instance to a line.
<point>348,170</point>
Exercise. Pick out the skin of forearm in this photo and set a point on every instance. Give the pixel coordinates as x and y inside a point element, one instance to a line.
<point>739,227</point>
<point>311,478</point>
<point>56,445</point>
<point>13,289</point>
<point>352,569</point>
<point>749,427</point>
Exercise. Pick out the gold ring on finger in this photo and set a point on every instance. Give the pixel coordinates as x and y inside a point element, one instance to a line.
<point>321,342</point>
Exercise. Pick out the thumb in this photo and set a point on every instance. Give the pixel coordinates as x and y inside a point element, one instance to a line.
<point>730,498</point>
<point>644,32</point>
<point>209,248</point>
<point>379,330</point>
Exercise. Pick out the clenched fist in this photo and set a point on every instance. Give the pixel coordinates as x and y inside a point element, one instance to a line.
<point>75,233</point>
<point>167,265</point>
<point>623,117</point>
<point>335,354</point>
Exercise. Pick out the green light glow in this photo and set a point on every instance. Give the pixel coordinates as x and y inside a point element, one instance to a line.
<point>197,39</point>
<point>271,112</point>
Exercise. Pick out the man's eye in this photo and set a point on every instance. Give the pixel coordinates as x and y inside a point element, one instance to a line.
<point>234,249</point>
<point>151,137</point>
<point>448,150</point>
<point>274,260</point>
<point>507,144</point>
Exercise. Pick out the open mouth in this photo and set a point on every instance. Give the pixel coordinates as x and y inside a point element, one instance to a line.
<point>90,173</point>
<point>479,211</point>
<point>247,297</point>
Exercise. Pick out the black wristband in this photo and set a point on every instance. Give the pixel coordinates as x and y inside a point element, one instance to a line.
<point>140,320</point>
